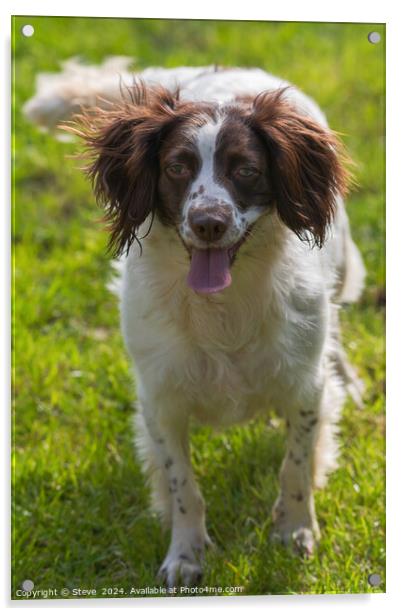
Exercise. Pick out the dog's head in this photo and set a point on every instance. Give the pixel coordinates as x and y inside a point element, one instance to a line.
<point>212,171</point>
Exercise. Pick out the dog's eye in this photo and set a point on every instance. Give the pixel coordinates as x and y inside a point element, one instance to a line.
<point>246,172</point>
<point>177,170</point>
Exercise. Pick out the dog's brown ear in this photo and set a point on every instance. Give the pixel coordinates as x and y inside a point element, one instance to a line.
<point>307,165</point>
<point>123,145</point>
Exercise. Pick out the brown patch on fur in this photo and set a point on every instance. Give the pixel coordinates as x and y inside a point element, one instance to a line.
<point>123,144</point>
<point>238,146</point>
<point>306,161</point>
<point>178,147</point>
<point>303,164</point>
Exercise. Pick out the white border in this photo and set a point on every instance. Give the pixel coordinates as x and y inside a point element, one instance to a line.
<point>370,11</point>
<point>308,10</point>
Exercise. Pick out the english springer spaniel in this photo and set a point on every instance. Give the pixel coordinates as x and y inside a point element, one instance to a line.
<point>224,193</point>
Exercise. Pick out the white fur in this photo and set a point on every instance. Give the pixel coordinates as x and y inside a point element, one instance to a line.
<point>208,189</point>
<point>270,339</point>
<point>206,138</point>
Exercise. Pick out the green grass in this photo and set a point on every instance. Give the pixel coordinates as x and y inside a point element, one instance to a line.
<point>80,516</point>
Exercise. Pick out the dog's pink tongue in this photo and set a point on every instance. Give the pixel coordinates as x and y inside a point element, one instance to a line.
<point>209,270</point>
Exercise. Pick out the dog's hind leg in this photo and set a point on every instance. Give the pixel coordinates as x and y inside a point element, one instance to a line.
<point>326,450</point>
<point>311,454</point>
<point>353,384</point>
<point>293,513</point>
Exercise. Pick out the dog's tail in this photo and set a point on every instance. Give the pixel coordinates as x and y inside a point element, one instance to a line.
<point>78,86</point>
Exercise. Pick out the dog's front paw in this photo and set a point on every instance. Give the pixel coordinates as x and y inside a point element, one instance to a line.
<point>184,561</point>
<point>180,568</point>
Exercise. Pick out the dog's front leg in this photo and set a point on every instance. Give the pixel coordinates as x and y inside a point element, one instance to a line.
<point>167,435</point>
<point>294,510</point>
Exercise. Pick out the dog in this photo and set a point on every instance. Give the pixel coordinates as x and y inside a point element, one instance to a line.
<point>223,190</point>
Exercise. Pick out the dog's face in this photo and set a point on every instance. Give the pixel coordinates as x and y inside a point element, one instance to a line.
<point>212,171</point>
<point>213,185</point>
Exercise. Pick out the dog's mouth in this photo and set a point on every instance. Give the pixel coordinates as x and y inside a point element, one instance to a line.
<point>210,267</point>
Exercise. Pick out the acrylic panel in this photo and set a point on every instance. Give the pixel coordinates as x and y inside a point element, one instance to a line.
<point>244,317</point>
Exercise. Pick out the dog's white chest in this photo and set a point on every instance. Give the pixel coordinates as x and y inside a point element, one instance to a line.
<point>223,358</point>
<point>222,367</point>
<point>226,388</point>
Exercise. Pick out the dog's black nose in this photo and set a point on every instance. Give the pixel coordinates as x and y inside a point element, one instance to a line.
<point>208,226</point>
